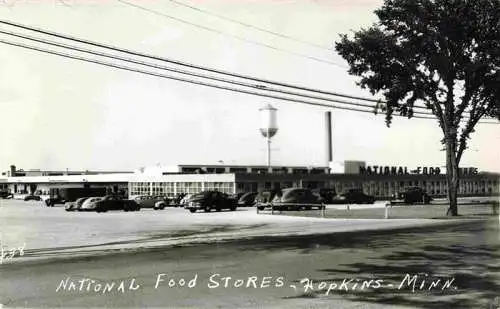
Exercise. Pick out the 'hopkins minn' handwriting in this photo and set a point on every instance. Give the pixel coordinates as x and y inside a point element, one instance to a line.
<point>413,283</point>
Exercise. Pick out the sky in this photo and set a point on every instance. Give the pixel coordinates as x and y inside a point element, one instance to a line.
<point>59,113</point>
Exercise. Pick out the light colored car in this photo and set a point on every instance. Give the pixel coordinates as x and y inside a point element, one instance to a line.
<point>185,200</point>
<point>90,203</point>
<point>76,205</point>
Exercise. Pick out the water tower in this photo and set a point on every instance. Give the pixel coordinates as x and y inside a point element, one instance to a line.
<point>268,127</point>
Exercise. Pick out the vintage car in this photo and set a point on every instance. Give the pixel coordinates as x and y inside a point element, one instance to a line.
<point>247,199</point>
<point>76,205</point>
<point>354,196</point>
<point>412,195</point>
<point>297,199</point>
<point>154,202</point>
<point>90,203</point>
<point>112,202</point>
<point>208,200</point>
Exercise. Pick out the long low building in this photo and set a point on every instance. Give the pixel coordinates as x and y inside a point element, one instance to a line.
<point>171,181</point>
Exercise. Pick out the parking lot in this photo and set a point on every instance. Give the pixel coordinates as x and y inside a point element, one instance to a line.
<point>114,246</point>
<point>47,230</point>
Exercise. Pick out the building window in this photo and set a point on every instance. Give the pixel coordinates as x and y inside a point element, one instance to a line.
<point>225,187</point>
<point>140,188</point>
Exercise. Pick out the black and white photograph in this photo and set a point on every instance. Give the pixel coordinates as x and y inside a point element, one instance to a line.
<point>250,154</point>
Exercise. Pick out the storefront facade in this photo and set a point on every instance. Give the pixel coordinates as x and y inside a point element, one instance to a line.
<point>251,179</point>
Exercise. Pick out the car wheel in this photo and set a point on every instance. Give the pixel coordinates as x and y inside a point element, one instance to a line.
<point>207,209</point>
<point>233,208</point>
<point>260,207</point>
<point>192,210</point>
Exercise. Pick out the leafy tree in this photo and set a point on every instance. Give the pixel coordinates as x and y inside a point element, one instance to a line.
<point>441,54</point>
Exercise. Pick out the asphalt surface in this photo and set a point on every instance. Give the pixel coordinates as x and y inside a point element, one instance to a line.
<point>266,257</point>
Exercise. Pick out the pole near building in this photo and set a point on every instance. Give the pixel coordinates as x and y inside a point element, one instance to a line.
<point>268,128</point>
<point>328,136</point>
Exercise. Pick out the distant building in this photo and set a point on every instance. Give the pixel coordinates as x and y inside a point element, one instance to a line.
<point>380,181</point>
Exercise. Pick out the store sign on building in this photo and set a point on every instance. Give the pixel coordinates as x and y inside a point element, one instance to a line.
<point>398,170</point>
<point>403,170</point>
<point>468,171</point>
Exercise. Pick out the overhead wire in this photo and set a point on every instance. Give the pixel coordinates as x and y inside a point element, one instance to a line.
<point>125,68</point>
<point>88,51</point>
<point>116,66</point>
<point>193,66</point>
<point>278,34</point>
<point>186,72</point>
<point>143,8</point>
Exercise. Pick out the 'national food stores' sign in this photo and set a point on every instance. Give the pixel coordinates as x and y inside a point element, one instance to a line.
<point>403,170</point>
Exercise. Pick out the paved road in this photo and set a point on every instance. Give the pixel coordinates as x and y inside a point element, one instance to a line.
<point>464,253</point>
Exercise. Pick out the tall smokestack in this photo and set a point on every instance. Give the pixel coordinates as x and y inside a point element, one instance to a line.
<point>328,144</point>
<point>12,171</point>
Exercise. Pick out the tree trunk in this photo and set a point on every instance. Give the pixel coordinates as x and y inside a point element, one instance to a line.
<point>452,175</point>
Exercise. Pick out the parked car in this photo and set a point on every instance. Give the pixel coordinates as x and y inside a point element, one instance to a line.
<point>112,202</point>
<point>356,196</point>
<point>90,203</point>
<point>264,198</point>
<point>76,205</point>
<point>176,201</point>
<point>413,195</point>
<point>328,194</point>
<point>32,197</point>
<point>155,202</point>
<point>208,200</point>
<point>64,195</point>
<point>185,200</point>
<point>297,199</point>
<point>247,199</point>
<point>6,195</point>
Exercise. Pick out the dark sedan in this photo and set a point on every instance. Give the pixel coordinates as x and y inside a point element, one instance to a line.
<point>208,200</point>
<point>414,195</point>
<point>355,196</point>
<point>112,202</point>
<point>297,199</point>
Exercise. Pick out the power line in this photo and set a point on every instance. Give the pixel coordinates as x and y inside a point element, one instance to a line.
<point>251,26</point>
<point>190,65</point>
<point>228,34</point>
<point>74,48</point>
<point>253,86</point>
<point>217,71</point>
<point>125,68</point>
